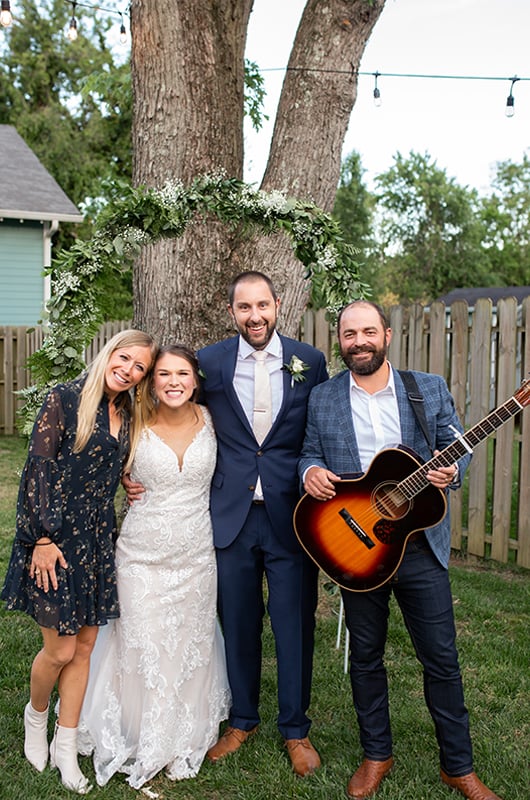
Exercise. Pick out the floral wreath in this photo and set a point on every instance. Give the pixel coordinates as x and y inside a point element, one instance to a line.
<point>140,216</point>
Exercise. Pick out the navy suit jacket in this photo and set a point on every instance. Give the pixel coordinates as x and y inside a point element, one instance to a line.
<point>239,457</point>
<point>330,440</point>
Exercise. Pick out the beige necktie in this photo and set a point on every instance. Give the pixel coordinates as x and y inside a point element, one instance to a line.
<point>262,417</point>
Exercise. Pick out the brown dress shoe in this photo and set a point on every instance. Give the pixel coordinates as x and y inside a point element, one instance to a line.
<point>470,786</point>
<point>304,757</point>
<point>366,781</point>
<point>229,742</point>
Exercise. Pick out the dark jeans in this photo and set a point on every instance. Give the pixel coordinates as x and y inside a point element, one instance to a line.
<point>422,590</point>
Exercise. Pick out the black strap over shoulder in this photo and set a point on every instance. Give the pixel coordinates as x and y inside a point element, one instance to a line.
<point>416,401</point>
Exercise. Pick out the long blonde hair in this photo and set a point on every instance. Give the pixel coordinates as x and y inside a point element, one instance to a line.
<point>94,387</point>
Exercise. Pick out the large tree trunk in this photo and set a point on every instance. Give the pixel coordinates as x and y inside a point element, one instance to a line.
<point>188,76</point>
<point>187,67</point>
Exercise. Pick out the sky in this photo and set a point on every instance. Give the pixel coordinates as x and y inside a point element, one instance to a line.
<point>461,124</point>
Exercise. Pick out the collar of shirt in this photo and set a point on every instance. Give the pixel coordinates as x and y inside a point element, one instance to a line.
<point>376,419</point>
<point>244,374</point>
<point>390,387</point>
<point>274,347</point>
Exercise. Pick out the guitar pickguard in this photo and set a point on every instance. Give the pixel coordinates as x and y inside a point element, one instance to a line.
<point>385,531</point>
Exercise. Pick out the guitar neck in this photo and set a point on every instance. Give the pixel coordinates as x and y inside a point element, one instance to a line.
<point>464,443</point>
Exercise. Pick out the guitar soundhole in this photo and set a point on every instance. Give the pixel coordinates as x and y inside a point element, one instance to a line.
<point>390,502</point>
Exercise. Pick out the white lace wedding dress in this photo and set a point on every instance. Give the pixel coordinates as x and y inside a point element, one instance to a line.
<point>158,687</point>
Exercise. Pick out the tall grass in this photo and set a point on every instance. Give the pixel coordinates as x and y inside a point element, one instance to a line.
<point>492,606</point>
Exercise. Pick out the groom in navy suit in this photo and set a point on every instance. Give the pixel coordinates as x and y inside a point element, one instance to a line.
<point>254,491</point>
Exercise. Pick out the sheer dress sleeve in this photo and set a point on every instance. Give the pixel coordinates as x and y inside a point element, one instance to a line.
<point>39,506</point>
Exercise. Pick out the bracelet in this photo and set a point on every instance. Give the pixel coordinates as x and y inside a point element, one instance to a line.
<point>41,544</point>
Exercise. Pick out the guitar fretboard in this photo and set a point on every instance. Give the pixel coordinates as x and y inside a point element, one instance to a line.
<point>465,443</point>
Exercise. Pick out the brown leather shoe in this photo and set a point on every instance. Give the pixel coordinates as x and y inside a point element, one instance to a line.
<point>366,781</point>
<point>304,757</point>
<point>229,742</point>
<point>470,786</point>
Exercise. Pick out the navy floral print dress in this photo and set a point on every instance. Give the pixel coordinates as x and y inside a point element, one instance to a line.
<point>69,497</point>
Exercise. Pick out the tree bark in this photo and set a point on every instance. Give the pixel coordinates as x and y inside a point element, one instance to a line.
<point>187,67</point>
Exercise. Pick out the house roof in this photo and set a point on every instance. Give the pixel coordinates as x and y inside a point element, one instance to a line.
<point>495,293</point>
<point>27,190</point>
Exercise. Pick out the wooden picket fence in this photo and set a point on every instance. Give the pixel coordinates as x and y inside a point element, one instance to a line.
<point>484,355</point>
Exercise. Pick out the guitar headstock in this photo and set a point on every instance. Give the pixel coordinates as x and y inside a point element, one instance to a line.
<point>522,395</point>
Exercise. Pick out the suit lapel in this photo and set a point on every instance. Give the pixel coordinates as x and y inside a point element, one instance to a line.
<point>344,416</point>
<point>228,368</point>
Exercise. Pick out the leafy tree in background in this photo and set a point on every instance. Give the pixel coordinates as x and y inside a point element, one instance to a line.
<point>354,210</point>
<point>81,141</point>
<point>429,233</point>
<point>506,215</point>
<point>70,102</point>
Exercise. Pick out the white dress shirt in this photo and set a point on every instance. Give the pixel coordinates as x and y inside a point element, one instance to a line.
<point>244,375</point>
<point>244,382</point>
<point>375,419</point>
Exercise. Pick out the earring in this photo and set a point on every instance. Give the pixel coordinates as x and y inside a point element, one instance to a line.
<point>138,395</point>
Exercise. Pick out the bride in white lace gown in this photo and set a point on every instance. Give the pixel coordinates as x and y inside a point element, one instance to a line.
<point>158,687</point>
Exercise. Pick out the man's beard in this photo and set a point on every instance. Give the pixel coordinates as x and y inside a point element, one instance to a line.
<point>261,343</point>
<point>367,367</point>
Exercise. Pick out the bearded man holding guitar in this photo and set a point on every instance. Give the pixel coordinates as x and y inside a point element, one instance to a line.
<point>351,418</point>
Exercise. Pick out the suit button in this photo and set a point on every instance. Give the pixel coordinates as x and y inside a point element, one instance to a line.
<point>259,453</point>
<point>252,488</point>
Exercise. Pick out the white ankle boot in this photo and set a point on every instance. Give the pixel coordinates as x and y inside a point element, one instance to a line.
<point>36,737</point>
<point>63,755</point>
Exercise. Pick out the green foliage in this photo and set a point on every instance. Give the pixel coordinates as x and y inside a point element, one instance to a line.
<point>506,215</point>
<point>430,231</point>
<point>354,210</point>
<point>136,217</point>
<point>254,94</point>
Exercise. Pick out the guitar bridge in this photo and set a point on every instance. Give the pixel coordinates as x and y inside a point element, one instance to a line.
<point>358,531</point>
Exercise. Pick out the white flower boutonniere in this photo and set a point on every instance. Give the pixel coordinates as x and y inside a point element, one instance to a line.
<point>296,368</point>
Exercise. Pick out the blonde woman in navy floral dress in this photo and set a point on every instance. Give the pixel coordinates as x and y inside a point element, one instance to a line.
<point>62,570</point>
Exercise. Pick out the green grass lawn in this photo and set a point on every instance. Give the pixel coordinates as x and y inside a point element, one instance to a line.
<point>492,606</point>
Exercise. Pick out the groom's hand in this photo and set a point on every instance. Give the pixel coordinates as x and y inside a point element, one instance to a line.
<point>134,490</point>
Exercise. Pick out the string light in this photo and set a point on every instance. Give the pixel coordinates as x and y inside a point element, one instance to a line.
<point>353,72</point>
<point>6,18</point>
<point>72,33</point>
<point>377,93</point>
<point>510,110</point>
<point>123,31</point>
<point>72,30</point>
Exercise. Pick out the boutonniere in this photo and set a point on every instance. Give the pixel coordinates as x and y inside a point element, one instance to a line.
<point>296,368</point>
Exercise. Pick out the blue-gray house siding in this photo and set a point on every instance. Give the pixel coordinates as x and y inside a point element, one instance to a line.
<point>21,281</point>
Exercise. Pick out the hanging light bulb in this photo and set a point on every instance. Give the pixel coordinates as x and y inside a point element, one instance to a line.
<point>6,18</point>
<point>72,30</point>
<point>510,109</point>
<point>123,32</point>
<point>377,93</point>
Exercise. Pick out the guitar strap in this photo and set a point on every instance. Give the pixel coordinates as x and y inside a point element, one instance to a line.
<point>416,401</point>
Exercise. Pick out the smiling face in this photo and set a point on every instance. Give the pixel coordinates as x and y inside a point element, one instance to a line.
<point>125,368</point>
<point>174,381</point>
<point>255,312</point>
<point>363,340</point>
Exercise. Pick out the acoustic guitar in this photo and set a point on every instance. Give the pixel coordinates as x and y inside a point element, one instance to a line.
<point>359,536</point>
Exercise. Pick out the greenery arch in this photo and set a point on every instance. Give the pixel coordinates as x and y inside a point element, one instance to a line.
<point>139,216</point>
